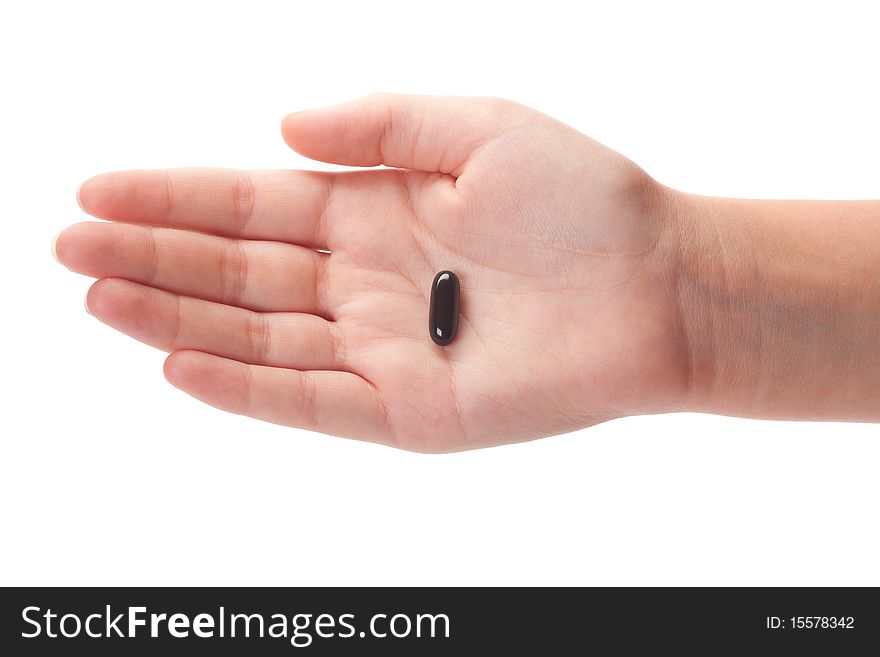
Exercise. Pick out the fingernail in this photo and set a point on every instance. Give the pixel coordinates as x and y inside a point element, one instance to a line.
<point>54,250</point>
<point>86,304</point>
<point>296,113</point>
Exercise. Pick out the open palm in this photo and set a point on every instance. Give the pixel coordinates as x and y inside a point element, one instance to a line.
<point>301,297</point>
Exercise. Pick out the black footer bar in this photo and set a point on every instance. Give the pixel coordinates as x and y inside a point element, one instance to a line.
<point>437,621</point>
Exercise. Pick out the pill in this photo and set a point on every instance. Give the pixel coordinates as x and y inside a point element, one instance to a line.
<point>443,315</point>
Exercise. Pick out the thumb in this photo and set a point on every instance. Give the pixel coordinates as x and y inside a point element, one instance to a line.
<point>428,133</point>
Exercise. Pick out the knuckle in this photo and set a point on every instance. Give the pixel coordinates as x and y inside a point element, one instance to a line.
<point>308,400</point>
<point>260,334</point>
<point>244,199</point>
<point>151,247</point>
<point>170,193</point>
<point>235,272</point>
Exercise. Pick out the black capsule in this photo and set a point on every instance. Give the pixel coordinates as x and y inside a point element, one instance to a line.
<point>443,317</point>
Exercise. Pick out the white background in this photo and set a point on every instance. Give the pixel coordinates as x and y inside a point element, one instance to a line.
<point>111,476</point>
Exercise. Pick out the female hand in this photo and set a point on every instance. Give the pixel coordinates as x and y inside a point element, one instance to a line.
<point>301,297</point>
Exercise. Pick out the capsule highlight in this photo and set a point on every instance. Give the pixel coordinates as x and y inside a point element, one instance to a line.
<point>444,308</point>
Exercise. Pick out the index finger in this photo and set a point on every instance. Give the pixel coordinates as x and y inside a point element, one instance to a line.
<point>264,205</point>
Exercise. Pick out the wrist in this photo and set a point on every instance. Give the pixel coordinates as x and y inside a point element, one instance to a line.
<point>701,287</point>
<point>773,323</point>
<point>683,249</point>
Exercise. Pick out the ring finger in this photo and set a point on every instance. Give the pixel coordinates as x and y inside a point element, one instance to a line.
<point>172,322</point>
<point>264,276</point>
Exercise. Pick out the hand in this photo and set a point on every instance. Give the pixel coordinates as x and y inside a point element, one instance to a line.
<point>569,312</point>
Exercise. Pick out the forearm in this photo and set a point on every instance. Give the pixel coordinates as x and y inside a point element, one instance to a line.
<point>779,306</point>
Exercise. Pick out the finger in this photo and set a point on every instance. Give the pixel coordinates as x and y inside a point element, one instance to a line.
<point>262,205</point>
<point>427,133</point>
<point>171,322</point>
<point>266,276</point>
<point>337,403</point>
